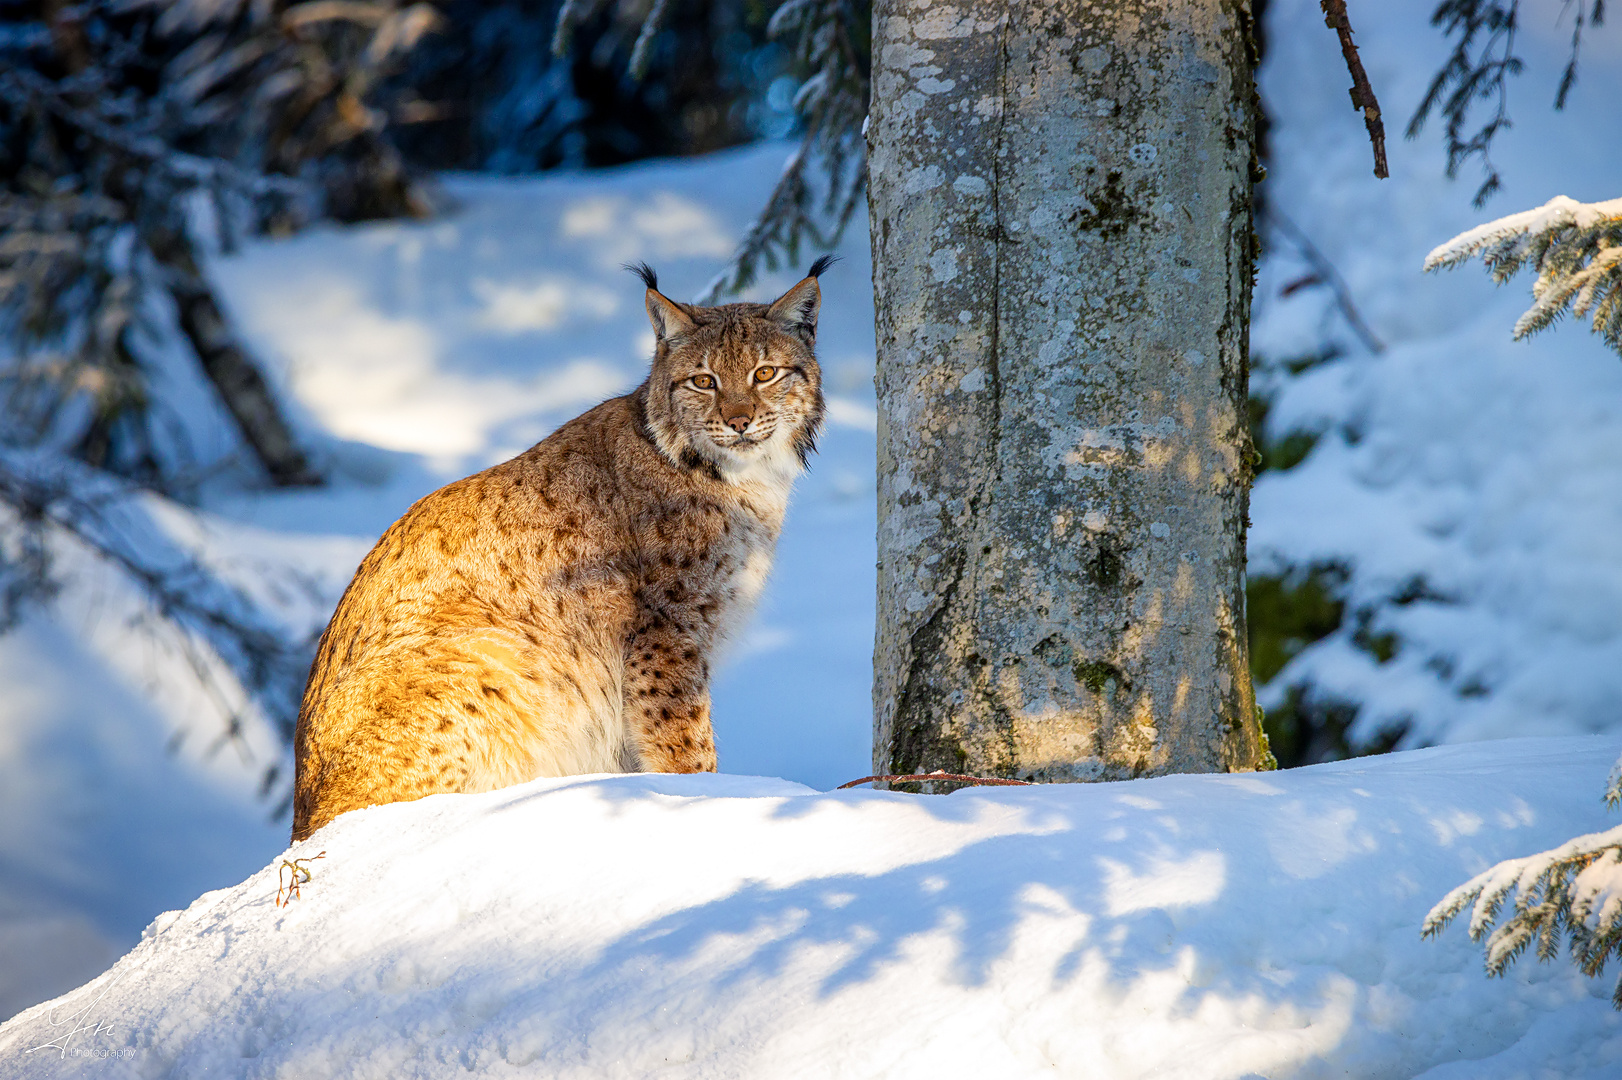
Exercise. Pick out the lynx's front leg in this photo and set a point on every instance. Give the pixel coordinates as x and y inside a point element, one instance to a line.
<point>667,691</point>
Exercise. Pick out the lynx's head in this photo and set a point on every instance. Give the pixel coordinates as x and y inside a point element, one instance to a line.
<point>736,388</point>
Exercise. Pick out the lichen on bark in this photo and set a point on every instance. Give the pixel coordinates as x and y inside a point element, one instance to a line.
<point>1060,210</point>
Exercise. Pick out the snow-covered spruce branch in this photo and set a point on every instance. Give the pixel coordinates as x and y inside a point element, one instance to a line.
<point>22,88</point>
<point>49,505</point>
<point>1574,890</point>
<point>1575,249</point>
<point>74,266</point>
<point>823,181</point>
<point>123,125</point>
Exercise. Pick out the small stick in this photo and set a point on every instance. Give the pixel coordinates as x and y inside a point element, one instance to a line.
<point>1336,19</point>
<point>300,875</point>
<point>957,777</point>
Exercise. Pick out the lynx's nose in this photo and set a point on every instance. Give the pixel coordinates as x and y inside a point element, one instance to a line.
<point>740,423</point>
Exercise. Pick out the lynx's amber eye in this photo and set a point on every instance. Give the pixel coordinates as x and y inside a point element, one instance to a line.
<point>704,382</point>
<point>765,374</point>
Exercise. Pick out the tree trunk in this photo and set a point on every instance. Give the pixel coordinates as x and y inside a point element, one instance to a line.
<point>1060,200</point>
<point>235,376</point>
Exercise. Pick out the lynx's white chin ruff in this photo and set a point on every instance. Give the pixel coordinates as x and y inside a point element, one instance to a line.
<point>767,469</point>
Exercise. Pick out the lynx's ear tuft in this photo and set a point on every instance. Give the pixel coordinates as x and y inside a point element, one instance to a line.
<point>796,310</point>
<point>668,317</point>
<point>819,267</point>
<point>649,277</point>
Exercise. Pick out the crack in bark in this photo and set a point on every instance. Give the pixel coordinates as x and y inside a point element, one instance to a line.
<point>1002,719</point>
<point>916,742</point>
<point>998,232</point>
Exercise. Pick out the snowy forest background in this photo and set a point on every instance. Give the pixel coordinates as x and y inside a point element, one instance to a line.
<point>269,272</point>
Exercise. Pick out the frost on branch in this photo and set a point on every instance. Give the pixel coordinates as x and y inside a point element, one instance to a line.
<point>1574,890</point>
<point>1575,249</point>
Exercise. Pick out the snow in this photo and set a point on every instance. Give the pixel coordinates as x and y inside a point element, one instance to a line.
<point>718,926</point>
<point>1472,471</point>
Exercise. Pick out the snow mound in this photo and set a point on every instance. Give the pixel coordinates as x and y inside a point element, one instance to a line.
<point>1243,926</point>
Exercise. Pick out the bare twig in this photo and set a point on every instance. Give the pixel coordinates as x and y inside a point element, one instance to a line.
<point>957,778</point>
<point>290,875</point>
<point>1323,273</point>
<point>1363,98</point>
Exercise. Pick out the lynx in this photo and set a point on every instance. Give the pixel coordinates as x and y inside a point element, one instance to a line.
<point>560,613</point>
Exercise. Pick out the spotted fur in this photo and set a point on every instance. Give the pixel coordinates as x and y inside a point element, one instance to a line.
<point>561,613</point>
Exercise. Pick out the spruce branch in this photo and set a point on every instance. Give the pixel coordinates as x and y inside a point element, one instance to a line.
<point>117,132</point>
<point>642,51</point>
<point>1574,248</point>
<point>823,181</point>
<point>50,505</point>
<point>1571,893</point>
<point>1477,69</point>
<point>1568,77</point>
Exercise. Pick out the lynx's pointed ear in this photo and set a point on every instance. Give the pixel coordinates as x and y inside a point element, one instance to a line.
<point>666,315</point>
<point>796,310</point>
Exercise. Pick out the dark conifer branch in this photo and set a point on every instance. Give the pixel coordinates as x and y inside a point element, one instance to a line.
<point>1470,75</point>
<point>45,504</point>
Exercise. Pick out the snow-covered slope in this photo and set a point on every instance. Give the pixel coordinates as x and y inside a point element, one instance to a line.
<point>721,926</point>
<point>1470,484</point>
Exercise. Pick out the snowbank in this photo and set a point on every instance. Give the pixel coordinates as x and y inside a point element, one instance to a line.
<point>718,926</point>
<point>1467,481</point>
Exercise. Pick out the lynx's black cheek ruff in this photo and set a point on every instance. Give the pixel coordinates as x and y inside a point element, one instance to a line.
<point>805,440</point>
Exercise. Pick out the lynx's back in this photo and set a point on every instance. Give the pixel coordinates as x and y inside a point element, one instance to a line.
<point>558,614</point>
